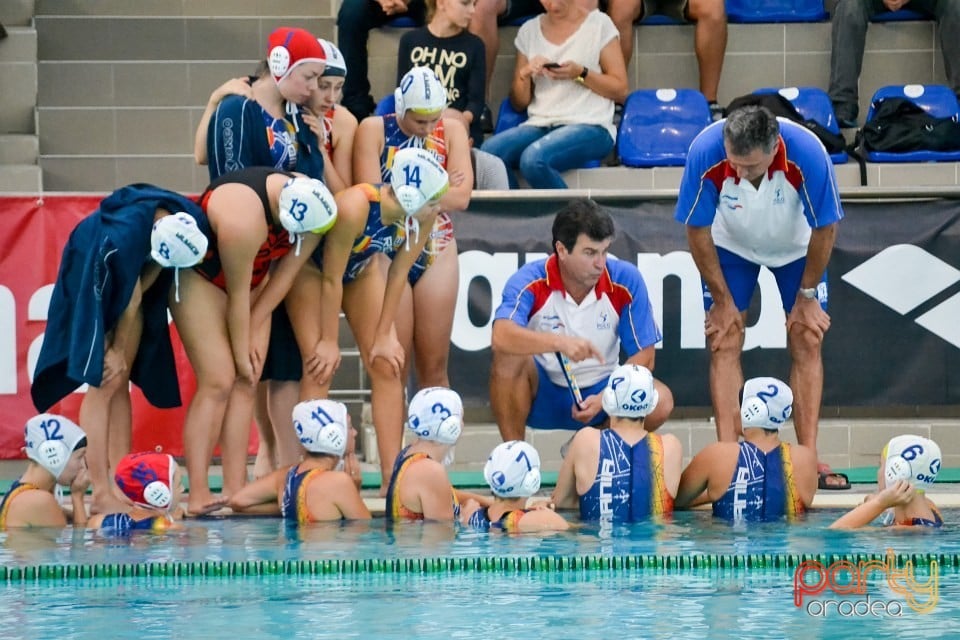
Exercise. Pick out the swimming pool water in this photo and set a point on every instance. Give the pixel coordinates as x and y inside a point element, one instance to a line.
<point>582,604</point>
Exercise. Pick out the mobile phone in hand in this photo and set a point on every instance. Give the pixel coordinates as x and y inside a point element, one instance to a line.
<point>551,65</point>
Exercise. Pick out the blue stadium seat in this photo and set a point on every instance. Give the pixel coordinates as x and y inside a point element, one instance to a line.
<point>402,22</point>
<point>775,11</point>
<point>899,16</point>
<point>812,103</point>
<point>659,19</point>
<point>937,100</point>
<point>508,117</point>
<point>386,105</point>
<point>658,126</point>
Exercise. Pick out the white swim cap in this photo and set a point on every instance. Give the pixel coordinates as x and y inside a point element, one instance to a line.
<point>436,413</point>
<point>417,177</point>
<point>630,392</point>
<point>176,241</point>
<point>513,470</point>
<point>912,458</point>
<point>306,204</point>
<point>51,440</point>
<point>420,91</point>
<point>767,403</point>
<point>336,65</point>
<point>322,426</point>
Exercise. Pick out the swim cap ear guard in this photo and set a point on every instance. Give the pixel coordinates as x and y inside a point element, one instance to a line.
<point>513,470</point>
<point>436,413</point>
<point>322,426</point>
<point>767,403</point>
<point>912,458</point>
<point>50,440</point>
<point>630,392</point>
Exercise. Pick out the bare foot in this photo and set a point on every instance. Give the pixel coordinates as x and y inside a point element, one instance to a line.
<point>201,506</point>
<point>263,465</point>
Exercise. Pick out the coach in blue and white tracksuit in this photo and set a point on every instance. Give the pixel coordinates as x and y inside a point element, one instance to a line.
<point>758,191</point>
<point>580,303</point>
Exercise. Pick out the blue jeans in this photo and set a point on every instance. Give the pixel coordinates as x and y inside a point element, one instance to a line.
<point>543,153</point>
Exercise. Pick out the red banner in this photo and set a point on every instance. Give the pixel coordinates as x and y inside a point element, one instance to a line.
<point>34,234</point>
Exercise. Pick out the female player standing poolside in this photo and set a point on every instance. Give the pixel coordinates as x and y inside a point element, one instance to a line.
<point>425,317</point>
<point>391,219</point>
<point>259,219</point>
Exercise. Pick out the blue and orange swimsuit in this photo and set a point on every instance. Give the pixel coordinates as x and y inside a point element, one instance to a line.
<point>394,507</point>
<point>293,502</point>
<point>393,140</point>
<point>629,485</point>
<point>375,238</point>
<point>123,524</point>
<point>15,489</point>
<point>762,487</point>
<point>509,522</point>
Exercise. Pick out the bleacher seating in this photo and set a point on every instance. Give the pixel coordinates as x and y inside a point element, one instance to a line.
<point>750,11</point>
<point>508,117</point>
<point>937,100</point>
<point>386,105</point>
<point>658,126</point>
<point>812,103</point>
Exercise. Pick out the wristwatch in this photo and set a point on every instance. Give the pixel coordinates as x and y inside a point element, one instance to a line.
<point>809,294</point>
<point>583,75</point>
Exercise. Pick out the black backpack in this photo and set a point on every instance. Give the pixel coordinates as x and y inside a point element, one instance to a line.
<point>783,108</point>
<point>899,125</point>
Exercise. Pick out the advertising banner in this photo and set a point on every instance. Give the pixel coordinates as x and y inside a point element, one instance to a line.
<point>894,302</point>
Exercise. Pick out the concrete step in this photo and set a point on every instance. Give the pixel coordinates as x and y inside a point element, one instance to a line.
<point>20,178</point>
<point>19,149</point>
<point>19,96</point>
<point>125,8</point>
<point>165,37</point>
<point>16,13</point>
<point>20,45</point>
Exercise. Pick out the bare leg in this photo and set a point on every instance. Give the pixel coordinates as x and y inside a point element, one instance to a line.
<point>483,24</point>
<point>434,304</point>
<point>201,322</point>
<point>624,13</point>
<point>267,450</point>
<point>710,43</point>
<point>303,306</point>
<point>121,424</point>
<point>513,385</point>
<point>105,415</point>
<point>806,381</point>
<point>362,301</point>
<point>283,397</point>
<point>235,436</point>
<point>726,380</point>
<point>94,418</point>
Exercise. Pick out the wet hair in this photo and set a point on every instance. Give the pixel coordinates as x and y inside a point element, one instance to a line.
<point>750,128</point>
<point>581,216</point>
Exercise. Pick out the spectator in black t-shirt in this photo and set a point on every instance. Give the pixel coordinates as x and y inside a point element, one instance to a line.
<point>356,18</point>
<point>454,54</point>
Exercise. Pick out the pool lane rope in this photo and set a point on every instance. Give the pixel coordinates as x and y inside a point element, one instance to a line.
<point>453,565</point>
